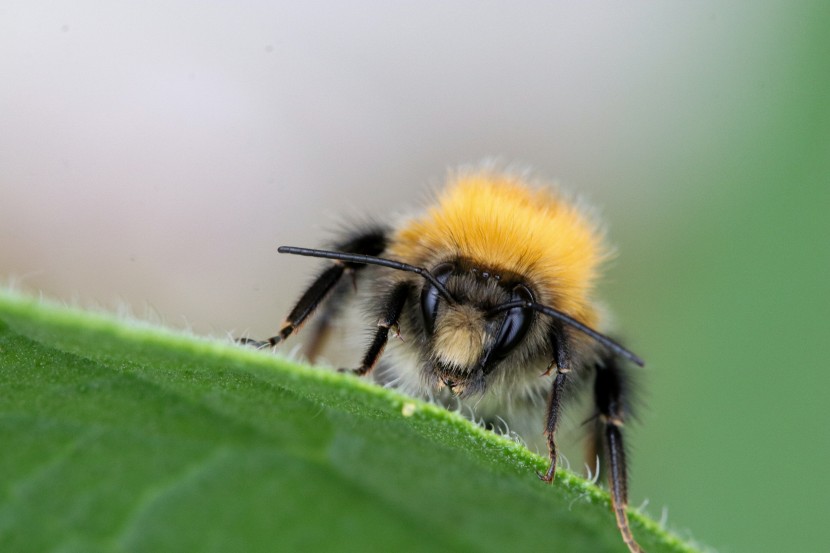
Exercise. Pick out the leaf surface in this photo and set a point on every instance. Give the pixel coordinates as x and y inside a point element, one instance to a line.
<point>121,436</point>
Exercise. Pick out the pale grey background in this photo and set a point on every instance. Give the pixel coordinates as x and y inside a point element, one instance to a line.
<point>157,152</point>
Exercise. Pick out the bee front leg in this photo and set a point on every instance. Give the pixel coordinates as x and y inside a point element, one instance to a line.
<point>562,360</point>
<point>392,307</point>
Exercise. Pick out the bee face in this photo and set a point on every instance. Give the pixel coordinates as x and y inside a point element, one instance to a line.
<point>466,340</point>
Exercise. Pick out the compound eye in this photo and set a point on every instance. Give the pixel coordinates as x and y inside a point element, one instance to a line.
<point>514,325</point>
<point>430,295</point>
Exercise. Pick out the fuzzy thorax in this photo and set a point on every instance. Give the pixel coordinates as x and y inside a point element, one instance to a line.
<point>500,221</point>
<point>460,337</point>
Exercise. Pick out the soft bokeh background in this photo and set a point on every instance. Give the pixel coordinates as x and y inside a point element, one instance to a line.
<point>156,153</point>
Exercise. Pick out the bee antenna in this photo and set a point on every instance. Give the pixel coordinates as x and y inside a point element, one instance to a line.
<point>570,321</point>
<point>370,260</point>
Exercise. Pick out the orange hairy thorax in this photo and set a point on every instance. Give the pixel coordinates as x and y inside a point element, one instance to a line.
<point>500,221</point>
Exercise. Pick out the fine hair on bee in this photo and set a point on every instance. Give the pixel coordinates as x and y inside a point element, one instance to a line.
<point>492,290</point>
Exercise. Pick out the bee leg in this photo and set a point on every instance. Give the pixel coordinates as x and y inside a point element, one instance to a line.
<point>320,332</point>
<point>561,352</point>
<point>371,242</point>
<point>308,302</point>
<point>368,243</point>
<point>392,306</point>
<point>610,392</point>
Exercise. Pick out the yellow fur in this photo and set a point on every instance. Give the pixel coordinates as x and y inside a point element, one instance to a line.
<point>460,337</point>
<point>502,222</point>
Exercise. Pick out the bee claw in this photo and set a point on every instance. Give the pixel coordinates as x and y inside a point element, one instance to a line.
<point>547,476</point>
<point>357,372</point>
<point>256,344</point>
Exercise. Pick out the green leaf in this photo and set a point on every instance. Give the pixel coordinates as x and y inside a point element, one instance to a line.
<point>119,436</point>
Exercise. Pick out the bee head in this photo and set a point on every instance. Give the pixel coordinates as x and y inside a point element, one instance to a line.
<point>467,338</point>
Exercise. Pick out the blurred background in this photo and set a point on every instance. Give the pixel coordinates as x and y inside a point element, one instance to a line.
<point>155,154</point>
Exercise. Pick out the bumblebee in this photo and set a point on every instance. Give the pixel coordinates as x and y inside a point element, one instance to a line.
<point>492,289</point>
